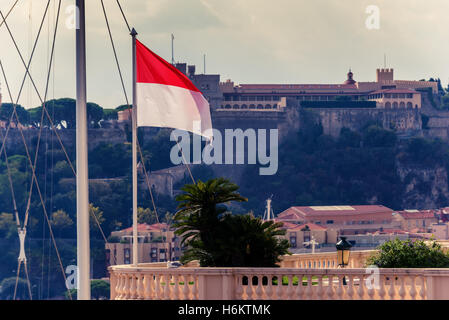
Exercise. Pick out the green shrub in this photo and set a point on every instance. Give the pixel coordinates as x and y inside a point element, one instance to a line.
<point>409,254</point>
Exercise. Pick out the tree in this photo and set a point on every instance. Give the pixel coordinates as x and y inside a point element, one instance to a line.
<point>246,241</point>
<point>145,215</point>
<point>94,114</point>
<point>61,221</point>
<point>95,216</point>
<point>100,290</point>
<point>7,287</point>
<point>375,136</point>
<point>409,254</point>
<point>6,111</point>
<point>8,226</point>
<point>217,238</point>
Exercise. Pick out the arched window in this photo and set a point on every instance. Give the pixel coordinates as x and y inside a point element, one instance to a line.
<point>252,106</point>
<point>228,106</point>
<point>388,105</point>
<point>268,106</point>
<point>259,106</point>
<point>409,105</point>
<point>244,106</point>
<point>236,106</point>
<point>402,105</point>
<point>395,105</point>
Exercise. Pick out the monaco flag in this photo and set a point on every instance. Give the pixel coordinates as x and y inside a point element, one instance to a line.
<point>167,98</point>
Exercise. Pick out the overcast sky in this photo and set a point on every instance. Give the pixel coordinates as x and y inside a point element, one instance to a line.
<point>248,41</point>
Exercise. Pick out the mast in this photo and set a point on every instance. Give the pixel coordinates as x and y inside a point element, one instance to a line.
<point>134,151</point>
<point>172,49</point>
<point>82,176</point>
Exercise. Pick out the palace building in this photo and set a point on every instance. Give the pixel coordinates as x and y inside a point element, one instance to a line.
<point>386,92</point>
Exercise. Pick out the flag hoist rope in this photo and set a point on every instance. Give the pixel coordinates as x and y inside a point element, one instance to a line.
<point>22,232</point>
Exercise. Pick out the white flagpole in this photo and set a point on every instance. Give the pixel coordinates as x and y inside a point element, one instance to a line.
<point>82,176</point>
<point>134,151</point>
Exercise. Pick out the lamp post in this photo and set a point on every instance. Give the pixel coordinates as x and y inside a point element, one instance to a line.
<point>343,250</point>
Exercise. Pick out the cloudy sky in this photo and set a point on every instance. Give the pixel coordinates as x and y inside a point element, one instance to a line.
<point>248,41</point>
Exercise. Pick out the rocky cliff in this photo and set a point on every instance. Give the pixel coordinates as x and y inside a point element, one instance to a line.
<point>424,188</point>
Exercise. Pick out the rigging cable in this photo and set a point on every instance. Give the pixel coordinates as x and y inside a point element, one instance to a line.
<point>34,178</point>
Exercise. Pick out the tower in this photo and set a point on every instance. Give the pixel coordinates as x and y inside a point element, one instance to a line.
<point>350,79</point>
<point>384,75</point>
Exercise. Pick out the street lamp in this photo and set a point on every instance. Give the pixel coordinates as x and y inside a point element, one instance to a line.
<point>343,249</point>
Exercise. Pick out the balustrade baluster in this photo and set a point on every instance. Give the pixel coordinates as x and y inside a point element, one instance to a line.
<point>381,290</point>
<point>289,289</point>
<point>361,287</point>
<point>297,292</point>
<point>422,289</point>
<point>118,287</point>
<point>350,287</point>
<point>165,289</point>
<point>392,288</point>
<point>195,287</point>
<point>402,280</point>
<point>147,287</point>
<point>175,288</point>
<point>278,289</point>
<point>309,291</point>
<point>339,288</point>
<point>413,291</point>
<point>319,288</point>
<point>139,286</point>
<point>126,288</point>
<point>157,287</point>
<point>239,287</point>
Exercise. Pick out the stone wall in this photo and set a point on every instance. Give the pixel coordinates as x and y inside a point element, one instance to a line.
<point>403,121</point>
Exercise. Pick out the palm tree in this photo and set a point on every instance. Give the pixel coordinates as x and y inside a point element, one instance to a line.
<point>199,215</point>
<point>246,241</point>
<point>219,239</point>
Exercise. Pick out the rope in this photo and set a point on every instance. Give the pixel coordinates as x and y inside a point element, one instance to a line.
<point>34,178</point>
<point>147,179</point>
<point>10,10</point>
<point>123,15</point>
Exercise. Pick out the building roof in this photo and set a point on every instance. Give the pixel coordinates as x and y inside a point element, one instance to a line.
<point>298,227</point>
<point>297,213</point>
<point>142,227</point>
<point>417,214</point>
<point>297,87</point>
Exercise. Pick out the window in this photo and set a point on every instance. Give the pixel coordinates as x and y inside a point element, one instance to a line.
<point>293,242</point>
<point>330,222</point>
<point>127,253</point>
<point>153,253</point>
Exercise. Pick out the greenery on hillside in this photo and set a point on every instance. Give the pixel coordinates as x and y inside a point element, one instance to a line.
<point>355,168</point>
<point>314,169</point>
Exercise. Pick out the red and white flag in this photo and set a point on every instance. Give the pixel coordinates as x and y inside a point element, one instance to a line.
<point>167,98</point>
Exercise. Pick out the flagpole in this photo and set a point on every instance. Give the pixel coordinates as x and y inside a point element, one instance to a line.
<point>134,151</point>
<point>82,175</point>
